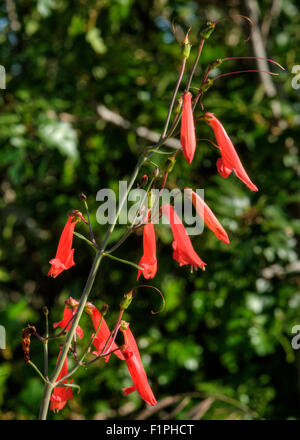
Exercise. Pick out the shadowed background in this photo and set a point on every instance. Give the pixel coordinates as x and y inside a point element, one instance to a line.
<point>222,347</point>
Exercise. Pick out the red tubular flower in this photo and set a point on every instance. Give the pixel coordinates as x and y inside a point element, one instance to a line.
<point>64,254</point>
<point>61,394</point>
<point>148,261</point>
<point>230,159</point>
<point>208,216</point>
<point>103,333</point>
<point>134,363</point>
<point>184,252</point>
<point>69,311</point>
<point>187,134</point>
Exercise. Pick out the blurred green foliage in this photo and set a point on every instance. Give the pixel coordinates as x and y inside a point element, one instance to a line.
<point>225,336</point>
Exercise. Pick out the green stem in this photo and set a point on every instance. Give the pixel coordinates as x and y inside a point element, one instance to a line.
<point>173,98</point>
<point>38,371</point>
<point>49,386</point>
<point>122,239</point>
<point>89,222</point>
<point>130,263</point>
<point>195,64</point>
<point>45,343</point>
<point>82,237</point>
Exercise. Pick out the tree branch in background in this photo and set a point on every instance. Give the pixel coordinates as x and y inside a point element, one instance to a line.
<point>270,15</point>
<point>143,132</point>
<point>12,15</point>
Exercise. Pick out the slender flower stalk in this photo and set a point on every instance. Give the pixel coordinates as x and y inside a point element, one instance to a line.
<point>254,58</point>
<point>173,98</point>
<point>244,71</point>
<point>200,47</point>
<point>45,341</point>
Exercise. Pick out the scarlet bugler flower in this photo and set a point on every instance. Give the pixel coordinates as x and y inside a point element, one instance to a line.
<point>64,255</point>
<point>103,333</point>
<point>134,363</point>
<point>187,133</point>
<point>230,160</point>
<point>148,261</point>
<point>208,216</point>
<point>183,250</point>
<point>69,311</point>
<point>61,394</point>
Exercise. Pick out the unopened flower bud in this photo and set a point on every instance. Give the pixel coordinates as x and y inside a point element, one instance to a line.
<point>126,301</point>
<point>178,106</point>
<point>215,63</point>
<point>170,164</point>
<point>82,196</point>
<point>156,173</point>
<point>45,311</point>
<point>206,32</point>
<point>186,49</point>
<point>207,85</point>
<point>144,180</point>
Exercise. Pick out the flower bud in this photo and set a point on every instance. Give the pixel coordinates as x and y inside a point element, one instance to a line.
<point>207,85</point>
<point>156,173</point>
<point>151,199</point>
<point>186,48</point>
<point>170,164</point>
<point>206,32</point>
<point>82,196</point>
<point>215,63</point>
<point>144,180</point>
<point>177,109</point>
<point>45,311</point>
<point>125,303</point>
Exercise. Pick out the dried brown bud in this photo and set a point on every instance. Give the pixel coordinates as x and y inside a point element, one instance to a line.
<point>26,334</point>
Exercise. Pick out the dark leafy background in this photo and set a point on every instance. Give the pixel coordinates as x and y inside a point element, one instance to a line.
<point>222,348</point>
